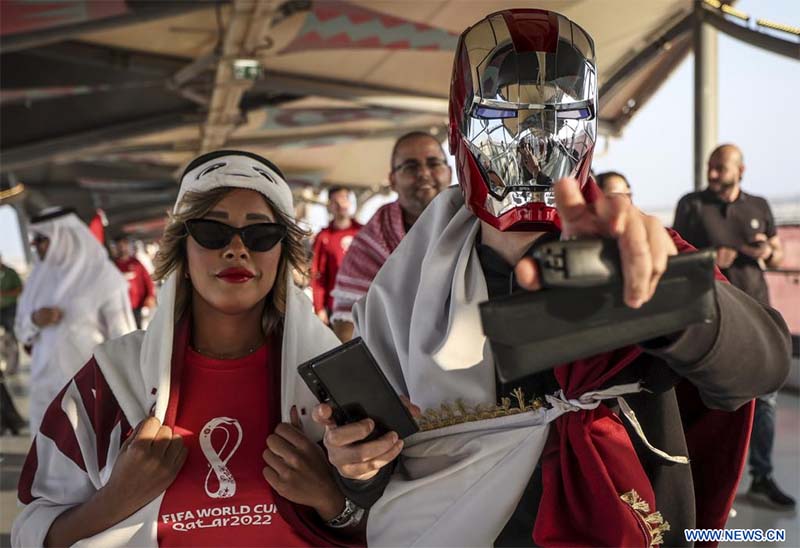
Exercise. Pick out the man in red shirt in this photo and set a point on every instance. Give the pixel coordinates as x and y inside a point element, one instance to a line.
<point>330,246</point>
<point>140,285</point>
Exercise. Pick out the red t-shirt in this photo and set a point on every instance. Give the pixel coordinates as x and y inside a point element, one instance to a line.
<point>330,247</point>
<point>220,496</point>
<point>140,285</point>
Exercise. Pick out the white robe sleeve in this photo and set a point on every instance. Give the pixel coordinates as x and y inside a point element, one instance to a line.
<point>116,316</point>
<point>62,469</point>
<point>25,330</point>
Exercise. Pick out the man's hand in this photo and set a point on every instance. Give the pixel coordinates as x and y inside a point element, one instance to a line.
<point>758,249</point>
<point>149,302</point>
<point>322,314</point>
<point>48,315</point>
<point>297,470</point>
<point>644,244</point>
<point>725,256</point>
<point>349,453</point>
<point>148,463</point>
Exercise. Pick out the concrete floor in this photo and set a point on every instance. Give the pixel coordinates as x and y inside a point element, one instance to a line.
<point>786,461</point>
<point>13,450</point>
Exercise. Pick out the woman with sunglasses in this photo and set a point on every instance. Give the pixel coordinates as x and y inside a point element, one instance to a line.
<point>197,431</point>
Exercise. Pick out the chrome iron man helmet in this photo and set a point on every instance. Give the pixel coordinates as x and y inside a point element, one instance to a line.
<point>523,104</point>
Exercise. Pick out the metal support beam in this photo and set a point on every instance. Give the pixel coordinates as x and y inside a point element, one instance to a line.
<point>182,78</point>
<point>75,145</point>
<point>110,58</point>
<point>189,72</point>
<point>705,93</point>
<point>762,40</point>
<point>621,72</point>
<point>249,21</point>
<point>270,140</point>
<point>145,11</point>
<point>359,92</point>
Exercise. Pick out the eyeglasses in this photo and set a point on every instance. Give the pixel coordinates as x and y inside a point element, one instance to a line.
<point>413,168</point>
<point>216,235</point>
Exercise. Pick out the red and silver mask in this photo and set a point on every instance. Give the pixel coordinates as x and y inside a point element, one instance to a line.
<point>523,103</point>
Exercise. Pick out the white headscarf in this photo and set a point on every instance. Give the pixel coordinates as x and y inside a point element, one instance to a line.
<point>238,170</point>
<point>75,275</point>
<point>304,335</point>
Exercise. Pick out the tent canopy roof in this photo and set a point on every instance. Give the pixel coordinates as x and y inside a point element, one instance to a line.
<point>147,86</point>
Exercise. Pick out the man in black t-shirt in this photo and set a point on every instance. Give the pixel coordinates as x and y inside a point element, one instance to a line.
<point>742,229</point>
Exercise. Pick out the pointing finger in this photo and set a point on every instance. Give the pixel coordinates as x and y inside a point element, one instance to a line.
<point>613,211</point>
<point>569,201</point>
<point>636,258</point>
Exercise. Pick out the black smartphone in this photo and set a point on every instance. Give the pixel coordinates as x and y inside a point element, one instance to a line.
<point>350,380</point>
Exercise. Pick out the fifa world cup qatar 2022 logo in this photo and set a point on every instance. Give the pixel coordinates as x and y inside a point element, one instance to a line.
<point>218,458</point>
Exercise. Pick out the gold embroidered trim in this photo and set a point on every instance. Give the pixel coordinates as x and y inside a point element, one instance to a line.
<point>654,522</point>
<point>448,414</point>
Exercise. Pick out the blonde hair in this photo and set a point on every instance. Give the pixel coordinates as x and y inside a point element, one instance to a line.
<point>171,255</point>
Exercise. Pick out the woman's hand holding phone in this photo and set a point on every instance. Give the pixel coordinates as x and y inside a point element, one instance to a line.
<point>353,457</point>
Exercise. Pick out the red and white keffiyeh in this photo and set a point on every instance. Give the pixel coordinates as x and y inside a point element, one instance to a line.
<point>365,257</point>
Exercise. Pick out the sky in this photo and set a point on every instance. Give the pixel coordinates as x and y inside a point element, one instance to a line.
<point>758,110</point>
<point>10,241</point>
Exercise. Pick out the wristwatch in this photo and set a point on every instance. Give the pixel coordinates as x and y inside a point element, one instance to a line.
<point>350,516</point>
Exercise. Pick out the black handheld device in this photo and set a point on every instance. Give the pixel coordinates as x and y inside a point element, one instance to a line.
<point>581,311</point>
<point>350,380</point>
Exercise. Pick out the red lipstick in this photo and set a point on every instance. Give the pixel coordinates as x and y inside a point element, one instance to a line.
<point>235,275</point>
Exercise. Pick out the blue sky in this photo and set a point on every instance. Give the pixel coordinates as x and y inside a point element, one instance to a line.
<point>758,110</point>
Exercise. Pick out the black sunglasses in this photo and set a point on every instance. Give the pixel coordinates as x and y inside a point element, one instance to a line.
<point>216,235</point>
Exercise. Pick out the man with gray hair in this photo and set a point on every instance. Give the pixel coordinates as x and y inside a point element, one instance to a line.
<point>419,172</point>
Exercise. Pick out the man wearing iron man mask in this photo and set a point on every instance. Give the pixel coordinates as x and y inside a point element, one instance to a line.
<point>549,460</point>
<point>523,126</point>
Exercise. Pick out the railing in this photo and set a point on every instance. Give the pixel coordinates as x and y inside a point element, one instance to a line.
<point>786,272</point>
<point>769,35</point>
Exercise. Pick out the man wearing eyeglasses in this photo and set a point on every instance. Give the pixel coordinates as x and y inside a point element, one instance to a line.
<point>418,173</point>
<point>558,471</point>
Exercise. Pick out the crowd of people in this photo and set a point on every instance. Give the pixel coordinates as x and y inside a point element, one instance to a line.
<point>197,429</point>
